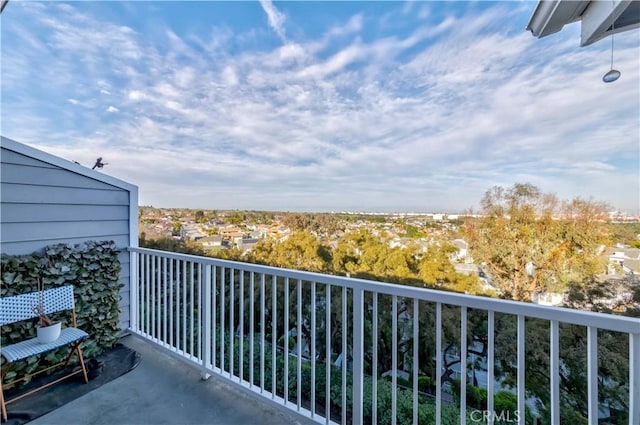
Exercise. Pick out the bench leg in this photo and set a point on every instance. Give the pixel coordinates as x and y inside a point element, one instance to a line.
<point>75,349</point>
<point>4,408</point>
<point>81,359</point>
<point>5,369</point>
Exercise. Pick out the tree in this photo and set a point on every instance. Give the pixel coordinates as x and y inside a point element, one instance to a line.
<point>300,251</point>
<point>176,229</point>
<point>297,221</point>
<point>627,233</point>
<point>237,218</point>
<point>531,242</point>
<point>361,254</point>
<point>436,270</point>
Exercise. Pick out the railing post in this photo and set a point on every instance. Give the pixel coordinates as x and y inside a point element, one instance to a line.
<point>207,328</point>
<point>521,353</point>
<point>634,379</point>
<point>358,354</point>
<point>592,374</point>
<point>133,291</point>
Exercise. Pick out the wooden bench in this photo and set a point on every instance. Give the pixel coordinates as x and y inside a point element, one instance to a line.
<point>21,307</point>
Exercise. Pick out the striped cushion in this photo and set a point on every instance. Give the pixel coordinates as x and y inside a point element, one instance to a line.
<point>31,347</point>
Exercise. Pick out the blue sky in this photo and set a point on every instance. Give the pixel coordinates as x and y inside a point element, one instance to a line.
<point>321,106</point>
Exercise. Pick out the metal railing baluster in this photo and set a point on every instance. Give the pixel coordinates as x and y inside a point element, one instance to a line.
<point>438,363</point>
<point>286,340</point>
<point>554,372</point>
<point>463,365</point>
<point>394,359</point>
<point>521,369</point>
<point>490,363</point>
<point>177,306</point>
<point>313,348</point>
<point>299,351</point>
<point>592,374</point>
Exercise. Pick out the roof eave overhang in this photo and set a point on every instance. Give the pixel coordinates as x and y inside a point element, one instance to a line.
<point>550,16</point>
<point>596,17</point>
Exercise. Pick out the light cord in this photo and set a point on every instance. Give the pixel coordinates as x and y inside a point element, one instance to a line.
<point>612,31</point>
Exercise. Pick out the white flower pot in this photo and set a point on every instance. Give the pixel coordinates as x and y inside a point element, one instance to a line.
<point>49,333</point>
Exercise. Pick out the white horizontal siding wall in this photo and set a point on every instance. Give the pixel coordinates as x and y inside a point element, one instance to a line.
<point>46,200</point>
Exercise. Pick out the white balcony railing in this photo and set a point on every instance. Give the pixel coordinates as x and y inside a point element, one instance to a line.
<point>319,344</point>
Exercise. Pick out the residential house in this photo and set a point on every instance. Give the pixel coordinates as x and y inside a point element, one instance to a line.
<point>246,244</point>
<point>211,242</point>
<point>622,260</point>
<point>462,251</point>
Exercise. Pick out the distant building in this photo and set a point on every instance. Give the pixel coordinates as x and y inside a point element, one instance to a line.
<point>548,298</point>
<point>247,244</point>
<point>193,232</point>
<point>230,232</point>
<point>623,260</point>
<point>462,250</point>
<point>211,242</point>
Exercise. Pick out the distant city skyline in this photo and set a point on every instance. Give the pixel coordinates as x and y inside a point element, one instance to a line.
<point>323,106</point>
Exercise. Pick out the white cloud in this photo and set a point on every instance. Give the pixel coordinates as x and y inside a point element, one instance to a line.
<point>229,76</point>
<point>112,109</point>
<point>341,120</point>
<point>136,95</point>
<point>276,19</point>
<point>73,101</point>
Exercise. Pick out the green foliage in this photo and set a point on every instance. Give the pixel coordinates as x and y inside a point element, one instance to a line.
<point>413,232</point>
<point>426,406</point>
<point>171,245</point>
<point>237,217</point>
<point>93,269</point>
<point>425,384</point>
<point>176,228</point>
<point>320,224</point>
<point>476,396</point>
<point>626,233</point>
<point>300,251</point>
<point>506,403</point>
<point>522,227</point>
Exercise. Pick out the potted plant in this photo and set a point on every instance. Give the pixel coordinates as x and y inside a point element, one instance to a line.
<point>48,330</point>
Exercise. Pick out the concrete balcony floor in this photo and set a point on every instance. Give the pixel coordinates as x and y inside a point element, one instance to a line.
<point>166,390</point>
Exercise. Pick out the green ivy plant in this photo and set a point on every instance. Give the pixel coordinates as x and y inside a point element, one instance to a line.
<point>93,269</point>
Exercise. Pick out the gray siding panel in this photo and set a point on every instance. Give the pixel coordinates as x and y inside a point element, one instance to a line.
<point>16,232</point>
<point>25,194</point>
<point>11,157</point>
<point>124,308</point>
<point>29,213</point>
<point>44,204</point>
<point>13,173</point>
<point>124,264</point>
<point>27,247</point>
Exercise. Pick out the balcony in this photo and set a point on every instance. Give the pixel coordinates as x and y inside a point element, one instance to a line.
<point>388,351</point>
<point>165,390</point>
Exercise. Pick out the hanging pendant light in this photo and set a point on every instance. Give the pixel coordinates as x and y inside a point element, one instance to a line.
<point>613,74</point>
